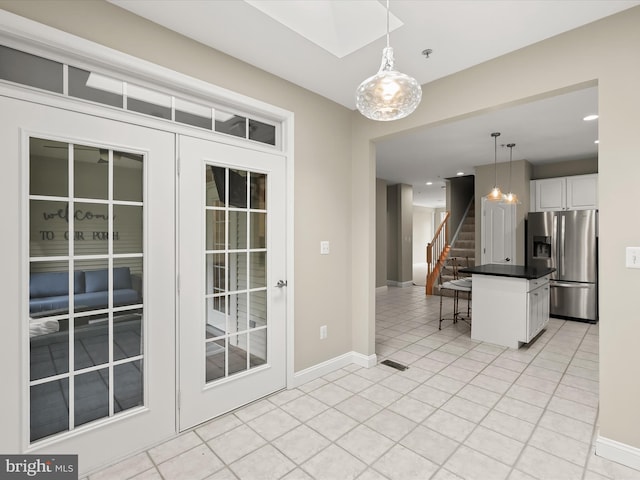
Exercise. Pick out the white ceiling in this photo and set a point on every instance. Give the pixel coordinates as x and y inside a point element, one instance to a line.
<point>461,33</point>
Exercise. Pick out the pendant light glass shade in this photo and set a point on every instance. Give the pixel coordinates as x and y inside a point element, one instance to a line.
<point>388,95</point>
<point>495,195</point>
<point>510,197</point>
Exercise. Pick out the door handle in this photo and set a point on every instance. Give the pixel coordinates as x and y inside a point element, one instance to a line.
<point>281,283</point>
<point>507,259</point>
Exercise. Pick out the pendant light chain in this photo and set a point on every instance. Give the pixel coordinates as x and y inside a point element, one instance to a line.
<point>387,23</point>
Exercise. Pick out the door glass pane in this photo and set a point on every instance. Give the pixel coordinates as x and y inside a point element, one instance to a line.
<point>215,360</point>
<point>49,288</point>
<point>48,167</point>
<point>91,396</point>
<point>91,341</point>
<point>127,334</point>
<point>91,225</point>
<point>90,172</point>
<point>237,318</point>
<point>258,309</point>
<point>216,272</point>
<point>258,347</point>
<point>216,315</point>
<point>127,229</point>
<point>237,188</point>
<point>48,228</point>
<point>49,348</point>
<point>258,191</point>
<point>237,271</point>
<point>127,176</point>
<point>216,230</point>
<point>237,321</point>
<point>258,276</point>
<point>258,230</point>
<point>215,187</point>
<point>127,386</point>
<point>49,411</point>
<point>237,230</point>
<point>98,269</point>
<point>237,353</point>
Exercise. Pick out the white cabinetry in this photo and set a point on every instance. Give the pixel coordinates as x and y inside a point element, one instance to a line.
<point>538,307</point>
<point>579,192</point>
<point>509,311</point>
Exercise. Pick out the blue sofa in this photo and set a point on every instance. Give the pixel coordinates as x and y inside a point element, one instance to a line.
<point>50,290</point>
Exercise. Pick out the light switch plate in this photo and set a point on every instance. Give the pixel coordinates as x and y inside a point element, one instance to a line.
<point>633,257</point>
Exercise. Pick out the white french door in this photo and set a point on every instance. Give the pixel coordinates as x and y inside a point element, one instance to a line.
<point>95,322</point>
<point>232,300</point>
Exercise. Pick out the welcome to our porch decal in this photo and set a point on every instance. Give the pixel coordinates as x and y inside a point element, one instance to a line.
<point>79,216</point>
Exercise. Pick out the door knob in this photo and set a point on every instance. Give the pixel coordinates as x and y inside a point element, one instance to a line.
<point>508,259</point>
<point>281,283</point>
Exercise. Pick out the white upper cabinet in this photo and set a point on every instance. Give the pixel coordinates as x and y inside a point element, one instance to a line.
<point>579,192</point>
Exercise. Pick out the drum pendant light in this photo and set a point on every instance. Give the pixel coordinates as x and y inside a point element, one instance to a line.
<point>495,195</point>
<point>388,95</point>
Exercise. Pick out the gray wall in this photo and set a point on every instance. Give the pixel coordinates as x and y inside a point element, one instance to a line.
<point>565,169</point>
<point>399,233</point>
<point>381,233</point>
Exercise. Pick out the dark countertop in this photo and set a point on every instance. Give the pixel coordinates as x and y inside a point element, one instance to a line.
<point>514,271</point>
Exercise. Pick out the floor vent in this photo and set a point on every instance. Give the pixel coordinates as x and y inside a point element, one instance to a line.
<point>396,365</point>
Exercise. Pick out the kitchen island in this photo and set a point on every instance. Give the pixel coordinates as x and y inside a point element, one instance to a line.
<point>510,303</point>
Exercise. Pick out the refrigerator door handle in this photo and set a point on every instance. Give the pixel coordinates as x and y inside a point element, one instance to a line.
<point>569,285</point>
<point>561,240</point>
<point>556,255</point>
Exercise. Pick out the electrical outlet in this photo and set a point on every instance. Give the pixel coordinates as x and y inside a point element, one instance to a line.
<point>324,247</point>
<point>323,332</point>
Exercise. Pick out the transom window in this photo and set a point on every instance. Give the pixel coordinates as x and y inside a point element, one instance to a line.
<point>34,71</point>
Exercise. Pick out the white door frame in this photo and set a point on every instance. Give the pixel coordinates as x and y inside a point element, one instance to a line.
<point>30,36</point>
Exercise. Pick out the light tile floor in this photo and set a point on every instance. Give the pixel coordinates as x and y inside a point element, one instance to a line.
<point>463,410</point>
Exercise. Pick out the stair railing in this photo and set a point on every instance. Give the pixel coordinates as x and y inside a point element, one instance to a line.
<point>437,251</point>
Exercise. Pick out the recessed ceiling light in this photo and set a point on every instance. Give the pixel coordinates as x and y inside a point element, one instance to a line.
<point>588,118</point>
<point>429,183</point>
<point>460,174</point>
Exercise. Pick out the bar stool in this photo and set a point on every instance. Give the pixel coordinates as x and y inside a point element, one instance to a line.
<point>456,286</point>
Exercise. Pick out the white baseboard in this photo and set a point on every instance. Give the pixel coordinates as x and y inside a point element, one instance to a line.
<point>618,452</point>
<point>321,369</point>
<point>382,289</point>
<point>393,283</point>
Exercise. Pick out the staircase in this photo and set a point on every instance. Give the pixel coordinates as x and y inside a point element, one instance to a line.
<point>463,249</point>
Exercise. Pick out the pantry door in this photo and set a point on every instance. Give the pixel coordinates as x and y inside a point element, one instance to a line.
<point>232,285</point>
<point>94,321</point>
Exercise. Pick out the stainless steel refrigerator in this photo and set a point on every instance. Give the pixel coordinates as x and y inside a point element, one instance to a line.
<point>568,242</point>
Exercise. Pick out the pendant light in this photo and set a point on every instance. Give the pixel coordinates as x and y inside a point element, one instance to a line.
<point>495,195</point>
<point>510,197</point>
<point>389,94</point>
